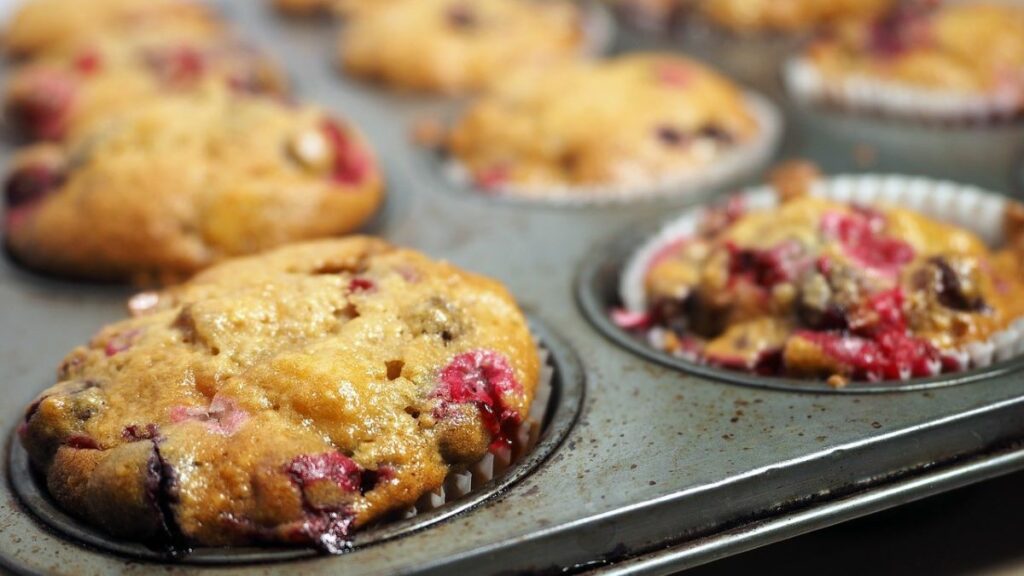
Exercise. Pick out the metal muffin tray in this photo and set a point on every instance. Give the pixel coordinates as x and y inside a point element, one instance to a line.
<point>663,468</point>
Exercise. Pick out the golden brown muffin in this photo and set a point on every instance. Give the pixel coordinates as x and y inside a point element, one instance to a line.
<point>175,184</point>
<point>630,121</point>
<point>46,99</point>
<point>820,288</point>
<point>285,398</point>
<point>971,48</point>
<point>62,27</point>
<point>454,46</point>
<point>747,16</point>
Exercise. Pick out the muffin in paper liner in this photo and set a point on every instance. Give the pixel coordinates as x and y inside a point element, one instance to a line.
<point>978,211</point>
<point>494,464</point>
<point>732,165</point>
<point>445,65</point>
<point>954,62</point>
<point>860,93</point>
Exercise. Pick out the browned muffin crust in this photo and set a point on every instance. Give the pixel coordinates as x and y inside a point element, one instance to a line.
<point>285,398</point>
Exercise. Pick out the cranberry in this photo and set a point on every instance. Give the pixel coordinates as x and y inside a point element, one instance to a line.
<point>765,363</point>
<point>670,136</point>
<point>861,234</point>
<point>461,16</point>
<point>673,74</point>
<point>900,30</point>
<point>766,268</point>
<point>362,285</point>
<point>29,184</point>
<point>351,164</point>
<point>484,378</point>
<point>952,288</point>
<point>88,62</point>
<point>890,354</point>
<point>328,530</point>
<point>492,178</point>
<point>42,104</point>
<point>223,416</point>
<point>136,433</point>
<point>121,342</point>
<point>180,66</point>
<point>716,133</point>
<point>81,442</point>
<point>332,467</point>
<point>631,320</point>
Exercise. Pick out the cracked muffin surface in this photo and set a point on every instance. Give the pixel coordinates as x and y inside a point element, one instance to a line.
<point>50,28</point>
<point>966,47</point>
<point>284,398</point>
<point>631,120</point>
<point>178,183</point>
<point>825,289</point>
<point>47,99</point>
<point>455,46</point>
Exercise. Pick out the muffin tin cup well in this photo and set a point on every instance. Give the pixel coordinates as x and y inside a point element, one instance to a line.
<point>733,166</point>
<point>865,94</point>
<point>614,278</point>
<point>557,406</point>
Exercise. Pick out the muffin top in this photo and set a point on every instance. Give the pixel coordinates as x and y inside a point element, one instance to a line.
<point>284,398</point>
<point>46,28</point>
<point>630,121</point>
<point>49,97</point>
<point>968,48</point>
<point>179,182</point>
<point>454,46</point>
<point>788,15</point>
<point>819,288</point>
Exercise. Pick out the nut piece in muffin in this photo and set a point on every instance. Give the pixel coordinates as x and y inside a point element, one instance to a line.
<point>630,121</point>
<point>290,397</point>
<point>178,183</point>
<point>750,16</point>
<point>62,27</point>
<point>455,46</point>
<point>964,48</point>
<point>820,288</point>
<point>46,99</point>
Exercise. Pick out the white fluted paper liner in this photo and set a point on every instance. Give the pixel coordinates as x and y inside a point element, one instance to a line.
<point>969,207</point>
<point>806,82</point>
<point>736,162</point>
<point>458,484</point>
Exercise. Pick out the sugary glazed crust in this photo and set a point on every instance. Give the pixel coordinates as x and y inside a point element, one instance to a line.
<point>456,46</point>
<point>285,398</point>
<point>631,120</point>
<point>962,47</point>
<point>176,184</point>
<point>819,288</point>
<point>53,28</point>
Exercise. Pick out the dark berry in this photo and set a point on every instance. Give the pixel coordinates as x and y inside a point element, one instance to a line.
<point>332,467</point>
<point>30,184</point>
<point>670,136</point>
<point>461,16</point>
<point>484,378</point>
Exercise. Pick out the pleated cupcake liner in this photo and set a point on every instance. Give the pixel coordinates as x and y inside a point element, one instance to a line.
<point>861,93</point>
<point>969,207</point>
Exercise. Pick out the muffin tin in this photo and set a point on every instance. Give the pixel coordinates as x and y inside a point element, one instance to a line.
<point>664,468</point>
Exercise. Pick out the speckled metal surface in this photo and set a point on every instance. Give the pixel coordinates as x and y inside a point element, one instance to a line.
<point>665,467</point>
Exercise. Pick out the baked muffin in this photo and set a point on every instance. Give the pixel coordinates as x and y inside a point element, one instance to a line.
<point>290,397</point>
<point>746,16</point>
<point>180,182</point>
<point>960,48</point>
<point>631,120</point>
<point>821,288</point>
<point>454,46</point>
<point>45,100</point>
<point>61,27</point>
